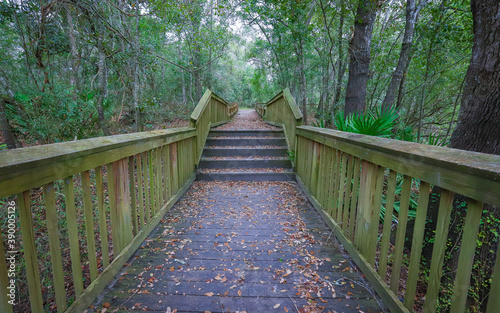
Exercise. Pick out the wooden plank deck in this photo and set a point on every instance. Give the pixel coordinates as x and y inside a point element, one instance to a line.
<point>240,246</point>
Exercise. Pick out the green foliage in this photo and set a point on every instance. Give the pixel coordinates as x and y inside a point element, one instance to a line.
<point>319,123</point>
<point>380,124</point>
<point>291,155</point>
<point>412,210</point>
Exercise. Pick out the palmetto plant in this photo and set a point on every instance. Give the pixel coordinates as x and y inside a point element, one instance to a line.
<point>379,124</point>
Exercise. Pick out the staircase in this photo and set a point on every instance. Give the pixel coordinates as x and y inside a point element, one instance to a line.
<point>245,155</point>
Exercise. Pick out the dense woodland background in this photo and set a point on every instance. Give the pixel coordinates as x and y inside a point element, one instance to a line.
<point>78,69</point>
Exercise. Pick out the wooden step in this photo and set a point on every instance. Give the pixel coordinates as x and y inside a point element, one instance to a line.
<point>244,152</point>
<point>246,176</point>
<point>246,133</point>
<point>228,142</point>
<point>248,163</point>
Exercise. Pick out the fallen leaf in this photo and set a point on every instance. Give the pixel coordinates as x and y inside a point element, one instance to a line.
<point>286,310</point>
<point>106,305</point>
<point>209,294</point>
<point>172,269</point>
<point>277,305</point>
<point>239,293</point>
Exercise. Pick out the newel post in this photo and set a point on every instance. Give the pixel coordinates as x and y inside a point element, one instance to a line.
<point>119,198</point>
<point>370,198</point>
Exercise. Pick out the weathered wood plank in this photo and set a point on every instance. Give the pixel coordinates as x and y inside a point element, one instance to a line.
<point>416,245</point>
<point>74,246</point>
<point>55,246</point>
<point>472,174</point>
<point>133,200</point>
<point>152,184</point>
<point>386,232</point>
<point>400,233</point>
<point>342,183</point>
<point>60,160</point>
<point>121,218</point>
<point>147,205</point>
<point>466,258</point>
<point>354,198</point>
<point>347,202</point>
<point>438,251</point>
<point>103,228</point>
<point>29,249</point>
<point>89,224</point>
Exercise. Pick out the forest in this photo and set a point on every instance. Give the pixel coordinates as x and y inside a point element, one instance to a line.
<point>79,69</point>
<point>425,71</point>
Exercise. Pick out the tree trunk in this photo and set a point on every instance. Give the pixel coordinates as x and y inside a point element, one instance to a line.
<point>341,66</point>
<point>412,12</point>
<point>359,50</point>
<point>8,134</point>
<point>302,79</point>
<point>478,120</point>
<point>137,110</point>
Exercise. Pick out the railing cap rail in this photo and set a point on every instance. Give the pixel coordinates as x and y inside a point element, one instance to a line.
<point>484,167</point>
<point>17,162</point>
<point>285,93</point>
<point>469,161</point>
<point>202,104</point>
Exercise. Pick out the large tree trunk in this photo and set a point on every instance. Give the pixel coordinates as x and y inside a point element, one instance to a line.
<point>341,65</point>
<point>478,126</point>
<point>302,79</point>
<point>412,12</point>
<point>359,50</point>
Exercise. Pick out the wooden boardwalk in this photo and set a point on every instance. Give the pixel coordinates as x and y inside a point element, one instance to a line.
<point>240,246</point>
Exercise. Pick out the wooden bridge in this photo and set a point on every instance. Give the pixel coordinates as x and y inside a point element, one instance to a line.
<point>220,217</point>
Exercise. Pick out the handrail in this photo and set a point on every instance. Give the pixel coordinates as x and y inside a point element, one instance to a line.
<point>282,110</point>
<point>120,185</point>
<point>211,111</point>
<point>347,176</point>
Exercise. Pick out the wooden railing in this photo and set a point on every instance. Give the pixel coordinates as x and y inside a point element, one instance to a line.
<point>233,109</point>
<point>82,208</point>
<point>211,111</point>
<point>348,176</point>
<point>282,111</point>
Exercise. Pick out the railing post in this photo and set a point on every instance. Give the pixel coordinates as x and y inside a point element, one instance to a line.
<point>370,197</point>
<point>119,193</point>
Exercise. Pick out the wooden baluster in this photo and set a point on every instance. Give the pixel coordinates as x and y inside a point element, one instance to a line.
<point>386,232</point>
<point>314,168</point>
<point>416,245</point>
<point>342,182</point>
<point>370,199</point>
<point>4,280</point>
<point>320,184</point>
<point>347,202</point>
<point>354,198</point>
<point>152,183</point>
<point>74,244</point>
<point>147,206</point>
<point>119,195</point>
<point>55,246</point>
<point>466,258</point>
<point>174,169</point>
<point>438,251</point>
<point>140,190</point>
<point>308,159</point>
<point>336,187</point>
<point>29,248</point>
<point>400,233</point>
<point>161,168</point>
<point>103,227</point>
<point>89,224</point>
<point>331,181</point>
<point>133,199</point>
<point>164,154</point>
<point>494,302</point>
<point>168,173</point>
